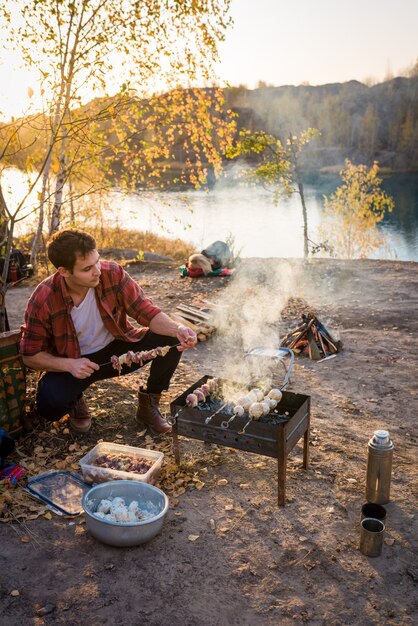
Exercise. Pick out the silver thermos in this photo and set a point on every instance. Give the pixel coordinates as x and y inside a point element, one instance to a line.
<point>379,467</point>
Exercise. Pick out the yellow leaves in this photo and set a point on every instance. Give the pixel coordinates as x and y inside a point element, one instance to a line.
<point>55,166</point>
<point>48,515</point>
<point>193,537</point>
<point>353,211</point>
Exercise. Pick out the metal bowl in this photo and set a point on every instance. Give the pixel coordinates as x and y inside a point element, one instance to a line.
<point>124,534</point>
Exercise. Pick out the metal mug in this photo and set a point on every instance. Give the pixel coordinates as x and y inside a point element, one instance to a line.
<point>376,511</point>
<point>371,536</point>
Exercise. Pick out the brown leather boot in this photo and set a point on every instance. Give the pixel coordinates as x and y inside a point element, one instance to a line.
<point>149,413</point>
<point>80,418</point>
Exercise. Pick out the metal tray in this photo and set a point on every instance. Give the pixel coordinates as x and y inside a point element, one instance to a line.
<point>63,491</point>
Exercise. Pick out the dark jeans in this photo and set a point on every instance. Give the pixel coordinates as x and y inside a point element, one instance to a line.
<point>58,391</point>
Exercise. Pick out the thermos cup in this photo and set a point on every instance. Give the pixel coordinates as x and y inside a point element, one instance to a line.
<point>376,511</point>
<point>371,536</point>
<point>379,467</point>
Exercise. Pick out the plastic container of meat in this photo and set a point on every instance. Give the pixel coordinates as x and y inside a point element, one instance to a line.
<point>94,472</point>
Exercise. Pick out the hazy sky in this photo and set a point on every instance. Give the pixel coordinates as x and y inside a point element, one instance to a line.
<point>290,42</point>
<point>319,41</point>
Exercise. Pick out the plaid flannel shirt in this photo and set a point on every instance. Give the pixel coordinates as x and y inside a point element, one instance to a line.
<point>48,325</point>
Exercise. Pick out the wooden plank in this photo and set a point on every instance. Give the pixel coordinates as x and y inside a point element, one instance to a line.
<point>193,312</point>
<point>182,320</point>
<point>9,337</point>
<point>193,318</point>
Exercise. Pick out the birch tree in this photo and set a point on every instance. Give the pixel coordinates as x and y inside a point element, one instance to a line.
<point>352,213</point>
<point>139,49</point>
<point>276,166</point>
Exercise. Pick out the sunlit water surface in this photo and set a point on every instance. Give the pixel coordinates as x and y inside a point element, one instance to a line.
<point>258,227</point>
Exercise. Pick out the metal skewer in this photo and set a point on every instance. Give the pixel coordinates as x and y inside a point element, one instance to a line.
<point>242,432</point>
<point>207,420</point>
<point>226,423</point>
<point>110,362</point>
<point>171,419</point>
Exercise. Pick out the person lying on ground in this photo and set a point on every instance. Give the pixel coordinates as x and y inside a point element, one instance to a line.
<point>214,257</point>
<point>77,319</point>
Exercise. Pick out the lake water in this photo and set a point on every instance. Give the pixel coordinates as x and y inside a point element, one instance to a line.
<point>258,227</point>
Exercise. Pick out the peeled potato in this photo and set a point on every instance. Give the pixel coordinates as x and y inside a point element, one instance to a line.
<point>256,410</point>
<point>246,401</point>
<point>266,407</point>
<point>275,394</point>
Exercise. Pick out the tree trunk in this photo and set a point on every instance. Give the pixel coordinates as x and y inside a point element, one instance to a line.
<point>305,216</point>
<point>39,229</point>
<point>45,179</point>
<point>4,325</point>
<point>59,192</point>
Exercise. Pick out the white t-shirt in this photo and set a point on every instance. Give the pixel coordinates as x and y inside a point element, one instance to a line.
<point>91,332</point>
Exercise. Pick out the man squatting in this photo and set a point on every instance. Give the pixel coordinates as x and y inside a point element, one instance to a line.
<point>77,319</point>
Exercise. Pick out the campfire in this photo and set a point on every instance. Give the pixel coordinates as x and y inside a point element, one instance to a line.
<point>311,338</point>
<point>269,431</point>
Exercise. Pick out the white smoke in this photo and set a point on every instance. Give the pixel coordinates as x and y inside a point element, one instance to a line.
<point>249,314</point>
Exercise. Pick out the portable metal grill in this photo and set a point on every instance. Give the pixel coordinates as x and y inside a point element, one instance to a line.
<point>274,436</point>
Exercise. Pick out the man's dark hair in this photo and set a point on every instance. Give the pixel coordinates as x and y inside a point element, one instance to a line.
<point>67,245</point>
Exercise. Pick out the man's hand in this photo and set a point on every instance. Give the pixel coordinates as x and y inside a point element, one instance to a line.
<point>187,338</point>
<point>82,368</point>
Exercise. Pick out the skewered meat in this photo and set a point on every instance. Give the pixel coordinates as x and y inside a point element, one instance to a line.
<point>272,403</point>
<point>200,395</point>
<point>266,407</point>
<point>275,394</point>
<point>212,383</point>
<point>256,410</point>
<point>137,357</point>
<point>258,393</point>
<point>192,400</point>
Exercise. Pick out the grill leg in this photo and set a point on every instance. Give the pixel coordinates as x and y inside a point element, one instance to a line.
<point>281,468</point>
<point>176,447</point>
<point>306,439</point>
<point>306,449</point>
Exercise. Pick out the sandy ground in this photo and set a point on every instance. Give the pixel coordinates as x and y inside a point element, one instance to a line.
<point>252,562</point>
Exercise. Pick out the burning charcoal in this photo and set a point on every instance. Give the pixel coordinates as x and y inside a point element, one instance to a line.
<point>274,419</point>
